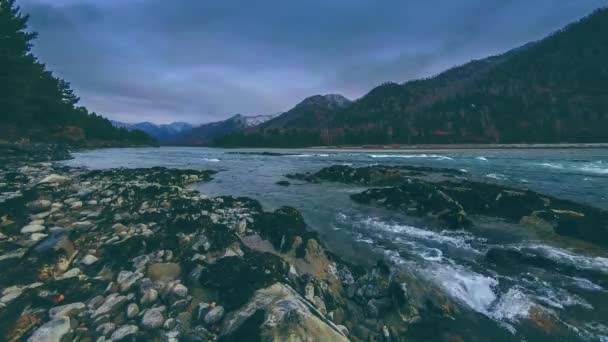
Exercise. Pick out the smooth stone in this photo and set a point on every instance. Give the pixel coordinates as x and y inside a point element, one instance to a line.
<point>215,315</point>
<point>153,318</point>
<point>32,228</point>
<point>164,271</point>
<point>126,279</point>
<point>113,303</point>
<point>68,310</point>
<point>132,310</point>
<point>74,272</point>
<point>180,290</point>
<point>54,178</point>
<point>106,329</point>
<point>82,225</point>
<point>55,330</point>
<point>89,259</point>
<point>38,236</point>
<point>124,331</point>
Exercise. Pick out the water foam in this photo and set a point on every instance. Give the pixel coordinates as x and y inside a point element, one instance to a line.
<point>567,257</point>
<point>211,160</point>
<point>434,156</point>
<point>482,158</point>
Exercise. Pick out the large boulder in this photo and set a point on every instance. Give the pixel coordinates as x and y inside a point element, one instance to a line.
<point>278,313</point>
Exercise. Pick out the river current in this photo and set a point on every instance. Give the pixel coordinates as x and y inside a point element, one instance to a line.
<point>453,261</point>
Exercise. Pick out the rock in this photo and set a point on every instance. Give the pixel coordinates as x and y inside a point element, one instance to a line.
<point>32,228</point>
<point>82,225</point>
<point>164,271</point>
<point>153,318</point>
<point>54,178</point>
<point>38,236</point>
<point>106,329</point>
<point>132,310</point>
<point>55,330</point>
<point>343,329</point>
<point>72,273</point>
<point>88,260</point>
<point>126,279</point>
<point>149,297</point>
<point>95,302</point>
<point>180,290</point>
<point>170,324</point>
<point>68,310</point>
<point>112,304</point>
<point>124,331</point>
<point>39,205</point>
<point>293,318</point>
<point>215,315</point>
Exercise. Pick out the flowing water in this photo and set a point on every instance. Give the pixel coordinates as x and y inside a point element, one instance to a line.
<point>576,291</point>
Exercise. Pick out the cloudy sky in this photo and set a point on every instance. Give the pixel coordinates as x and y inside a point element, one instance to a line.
<point>204,60</point>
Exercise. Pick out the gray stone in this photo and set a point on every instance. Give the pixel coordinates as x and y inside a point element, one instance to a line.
<point>170,324</point>
<point>215,315</point>
<point>124,331</point>
<point>126,279</point>
<point>39,205</point>
<point>55,330</point>
<point>54,178</point>
<point>180,290</point>
<point>112,304</point>
<point>106,329</point>
<point>89,259</point>
<point>32,228</point>
<point>68,310</point>
<point>153,318</point>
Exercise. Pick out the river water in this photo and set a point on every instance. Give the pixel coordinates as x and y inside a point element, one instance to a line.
<point>453,261</point>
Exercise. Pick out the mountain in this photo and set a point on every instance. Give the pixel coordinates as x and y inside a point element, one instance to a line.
<point>206,133</point>
<point>36,105</point>
<point>549,91</point>
<point>162,133</point>
<point>308,112</point>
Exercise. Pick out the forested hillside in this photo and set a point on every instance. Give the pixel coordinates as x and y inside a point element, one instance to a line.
<point>35,105</point>
<point>550,91</point>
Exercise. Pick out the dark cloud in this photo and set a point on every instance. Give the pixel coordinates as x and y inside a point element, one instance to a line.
<point>197,61</point>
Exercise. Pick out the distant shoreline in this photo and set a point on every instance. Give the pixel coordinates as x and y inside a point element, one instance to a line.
<point>423,147</point>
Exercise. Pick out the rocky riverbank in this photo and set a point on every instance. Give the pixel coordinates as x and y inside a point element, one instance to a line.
<point>134,254</point>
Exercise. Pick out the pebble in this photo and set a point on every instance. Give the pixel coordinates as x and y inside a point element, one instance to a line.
<point>132,310</point>
<point>58,329</point>
<point>180,290</point>
<point>68,310</point>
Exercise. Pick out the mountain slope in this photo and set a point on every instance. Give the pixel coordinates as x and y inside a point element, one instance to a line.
<point>162,133</point>
<point>549,91</point>
<point>206,133</point>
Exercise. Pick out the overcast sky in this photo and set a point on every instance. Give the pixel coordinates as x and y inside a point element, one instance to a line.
<point>205,60</point>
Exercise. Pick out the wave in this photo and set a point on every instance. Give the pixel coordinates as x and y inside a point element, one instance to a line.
<point>497,176</point>
<point>597,167</point>
<point>570,258</point>
<point>211,160</point>
<point>482,158</point>
<point>434,156</point>
<point>459,239</point>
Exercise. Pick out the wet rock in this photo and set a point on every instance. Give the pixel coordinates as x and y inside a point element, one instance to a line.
<point>292,317</point>
<point>58,329</point>
<point>153,318</point>
<point>164,271</point>
<point>113,303</point>
<point>214,315</point>
<point>123,332</point>
<point>236,278</point>
<point>68,310</point>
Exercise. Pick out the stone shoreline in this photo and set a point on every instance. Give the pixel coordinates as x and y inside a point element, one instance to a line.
<point>134,255</point>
